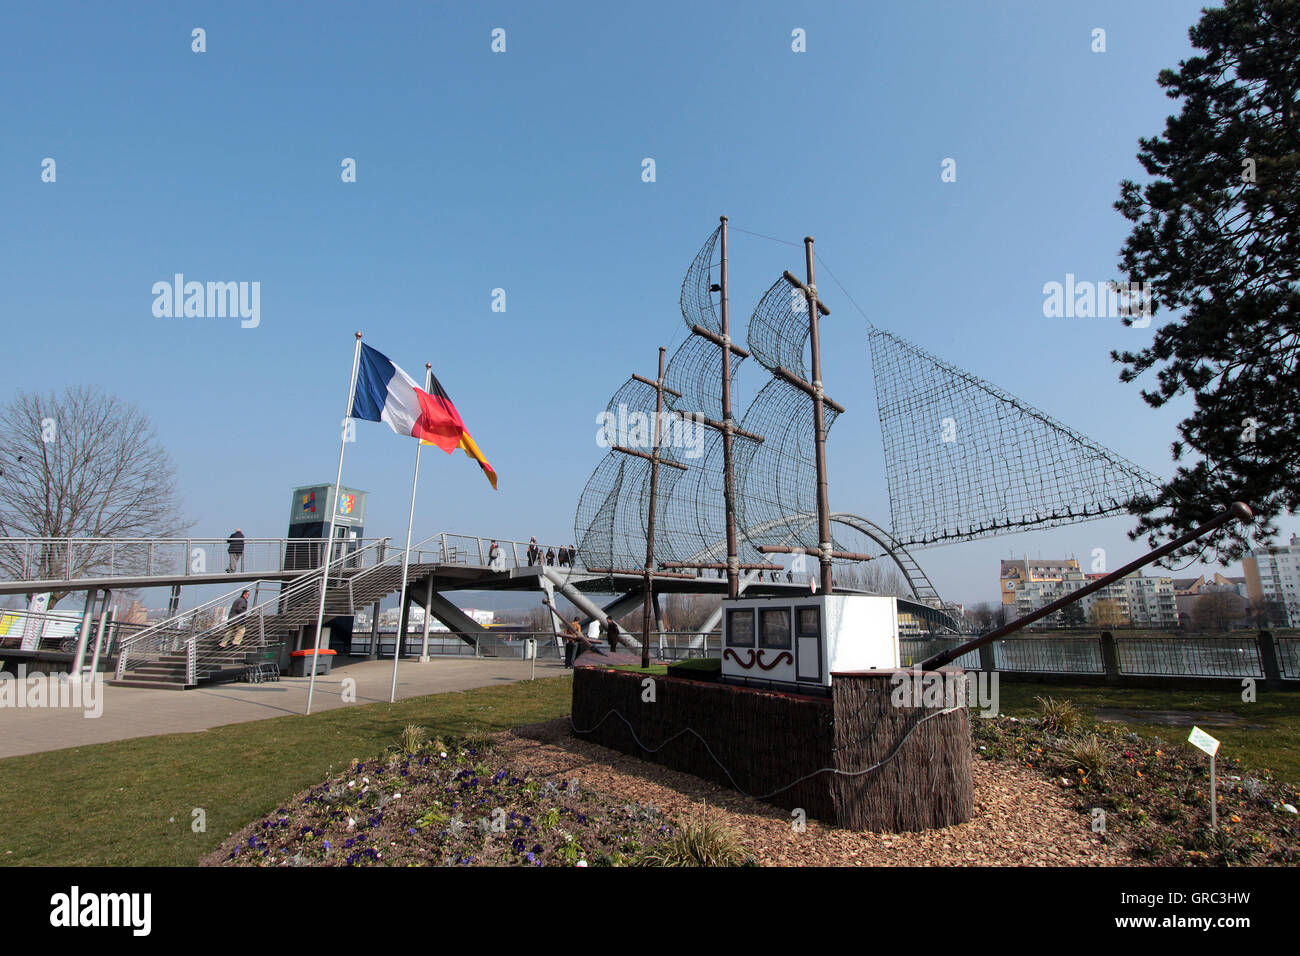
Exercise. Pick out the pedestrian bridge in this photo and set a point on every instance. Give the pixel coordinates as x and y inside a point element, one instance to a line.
<point>285,575</point>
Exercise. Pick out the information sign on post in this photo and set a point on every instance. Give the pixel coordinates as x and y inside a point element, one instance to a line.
<point>1203,741</point>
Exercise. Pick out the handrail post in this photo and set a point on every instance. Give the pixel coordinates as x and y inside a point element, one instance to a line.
<point>67,562</point>
<point>1268,657</point>
<point>1109,656</point>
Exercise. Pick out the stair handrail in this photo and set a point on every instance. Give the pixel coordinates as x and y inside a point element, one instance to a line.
<point>296,585</point>
<point>395,558</point>
<point>300,584</point>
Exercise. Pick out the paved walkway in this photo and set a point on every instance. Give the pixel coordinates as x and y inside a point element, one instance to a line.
<point>135,712</point>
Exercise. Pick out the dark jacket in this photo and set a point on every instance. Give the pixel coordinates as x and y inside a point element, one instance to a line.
<point>239,607</point>
<point>235,543</point>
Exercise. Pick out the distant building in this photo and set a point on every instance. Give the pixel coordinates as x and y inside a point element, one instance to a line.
<point>1273,580</point>
<point>1187,591</point>
<point>1023,574</point>
<point>1137,600</point>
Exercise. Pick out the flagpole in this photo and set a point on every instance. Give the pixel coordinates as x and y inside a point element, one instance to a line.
<point>334,509</point>
<point>406,558</point>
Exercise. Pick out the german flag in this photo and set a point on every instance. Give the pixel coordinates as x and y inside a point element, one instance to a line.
<point>470,448</point>
<point>385,393</point>
<point>466,442</point>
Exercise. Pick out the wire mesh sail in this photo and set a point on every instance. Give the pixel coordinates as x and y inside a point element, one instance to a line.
<point>964,459</point>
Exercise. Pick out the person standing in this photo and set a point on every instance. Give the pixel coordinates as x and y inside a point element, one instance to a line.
<point>571,638</point>
<point>550,556</point>
<point>235,549</point>
<point>494,556</point>
<point>534,552</point>
<point>239,607</point>
<point>611,631</point>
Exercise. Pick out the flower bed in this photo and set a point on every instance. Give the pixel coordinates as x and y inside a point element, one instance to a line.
<point>1153,796</point>
<point>446,805</point>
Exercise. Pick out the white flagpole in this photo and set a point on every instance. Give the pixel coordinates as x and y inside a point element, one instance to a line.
<point>406,558</point>
<point>334,509</point>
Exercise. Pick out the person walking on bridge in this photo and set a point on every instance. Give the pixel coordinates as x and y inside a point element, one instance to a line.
<point>534,552</point>
<point>235,548</point>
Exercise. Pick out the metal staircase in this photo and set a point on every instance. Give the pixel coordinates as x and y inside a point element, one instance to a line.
<point>183,651</point>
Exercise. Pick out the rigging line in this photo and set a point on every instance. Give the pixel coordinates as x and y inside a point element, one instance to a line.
<point>784,242</point>
<point>844,290</point>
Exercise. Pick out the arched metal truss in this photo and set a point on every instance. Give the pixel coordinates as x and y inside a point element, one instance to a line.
<point>927,602</point>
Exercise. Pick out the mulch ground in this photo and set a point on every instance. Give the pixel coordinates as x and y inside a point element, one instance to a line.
<point>1020,819</point>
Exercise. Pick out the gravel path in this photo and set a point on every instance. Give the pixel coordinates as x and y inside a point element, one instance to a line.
<point>1020,819</point>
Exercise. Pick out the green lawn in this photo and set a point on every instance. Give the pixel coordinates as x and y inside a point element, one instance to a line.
<point>1269,738</point>
<point>113,804</point>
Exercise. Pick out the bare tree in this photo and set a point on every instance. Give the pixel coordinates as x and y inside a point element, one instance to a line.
<point>1218,610</point>
<point>1107,613</point>
<point>874,577</point>
<point>980,617</point>
<point>84,464</point>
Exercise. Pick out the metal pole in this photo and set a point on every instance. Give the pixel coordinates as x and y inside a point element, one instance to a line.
<point>819,422</point>
<point>334,507</point>
<point>659,624</point>
<point>373,654</point>
<point>428,602</point>
<point>650,520</point>
<point>87,615</point>
<point>406,557</point>
<point>1214,808</point>
<point>728,472</point>
<point>105,616</point>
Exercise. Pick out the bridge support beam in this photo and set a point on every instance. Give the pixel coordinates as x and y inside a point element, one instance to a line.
<point>576,597</point>
<point>373,653</point>
<point>424,640</point>
<point>621,605</point>
<point>455,619</point>
<point>87,615</point>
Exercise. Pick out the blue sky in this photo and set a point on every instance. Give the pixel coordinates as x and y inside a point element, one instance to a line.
<point>522,171</point>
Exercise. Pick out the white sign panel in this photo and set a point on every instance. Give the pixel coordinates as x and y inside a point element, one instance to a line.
<point>35,621</point>
<point>1203,741</point>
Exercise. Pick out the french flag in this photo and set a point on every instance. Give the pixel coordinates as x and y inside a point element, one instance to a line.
<point>385,393</point>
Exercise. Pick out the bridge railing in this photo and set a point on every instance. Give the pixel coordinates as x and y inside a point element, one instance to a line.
<point>452,548</point>
<point>666,645</point>
<point>68,559</point>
